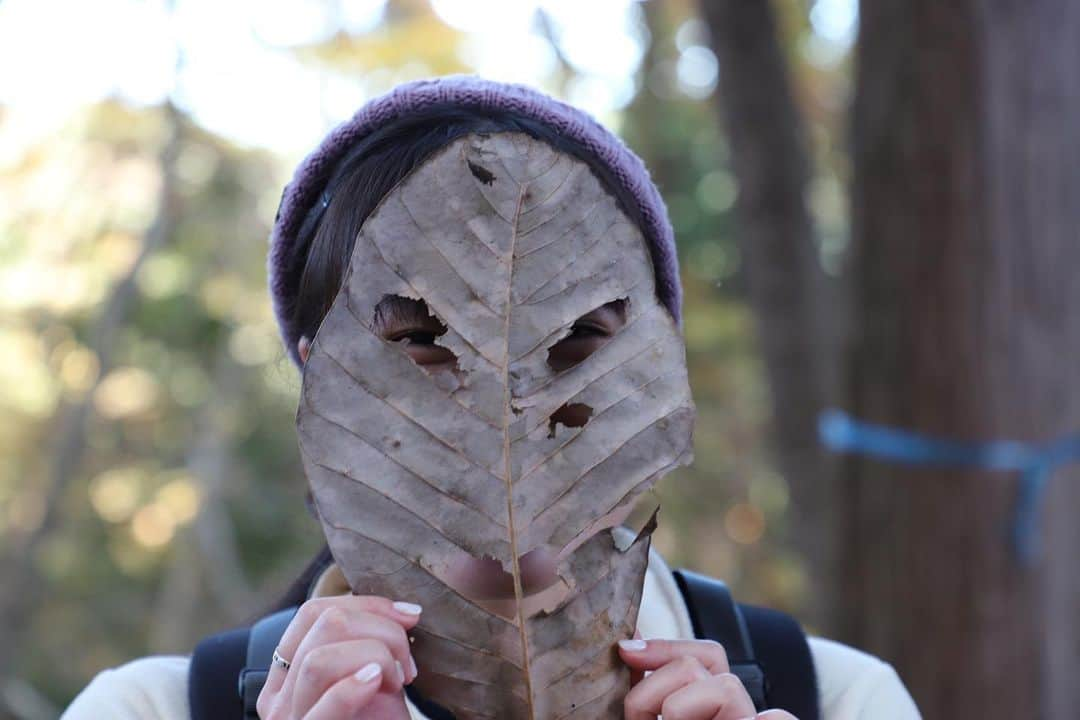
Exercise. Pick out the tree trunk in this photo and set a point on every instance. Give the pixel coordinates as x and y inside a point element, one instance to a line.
<point>795,308</point>
<point>965,243</point>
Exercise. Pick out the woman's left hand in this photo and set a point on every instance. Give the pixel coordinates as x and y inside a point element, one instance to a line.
<point>690,680</point>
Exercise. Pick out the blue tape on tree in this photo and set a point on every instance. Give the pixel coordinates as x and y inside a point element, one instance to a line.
<point>840,432</point>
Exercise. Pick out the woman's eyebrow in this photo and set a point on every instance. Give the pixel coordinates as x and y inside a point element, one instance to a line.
<point>396,311</point>
<point>616,308</point>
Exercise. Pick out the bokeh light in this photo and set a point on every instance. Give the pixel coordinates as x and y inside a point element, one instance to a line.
<point>115,493</point>
<point>126,392</point>
<point>744,523</point>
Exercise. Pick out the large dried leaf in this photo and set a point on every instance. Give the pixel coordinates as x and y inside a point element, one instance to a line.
<point>508,242</point>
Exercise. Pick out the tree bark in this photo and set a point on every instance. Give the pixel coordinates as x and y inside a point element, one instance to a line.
<point>965,217</point>
<point>795,308</point>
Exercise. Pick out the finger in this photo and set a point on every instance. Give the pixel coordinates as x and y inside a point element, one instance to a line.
<point>717,697</point>
<point>405,613</point>
<point>651,654</point>
<point>327,664</point>
<point>335,625</point>
<point>635,674</point>
<point>348,695</point>
<point>644,700</point>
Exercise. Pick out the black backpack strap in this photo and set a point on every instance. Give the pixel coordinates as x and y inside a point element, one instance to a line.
<point>431,710</point>
<point>766,649</point>
<point>219,661</point>
<point>262,641</point>
<point>715,616</point>
<point>784,655</point>
<point>216,662</point>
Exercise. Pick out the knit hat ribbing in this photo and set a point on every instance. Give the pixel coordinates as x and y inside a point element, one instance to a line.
<point>313,172</point>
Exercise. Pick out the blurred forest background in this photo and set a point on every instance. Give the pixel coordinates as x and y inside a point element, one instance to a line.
<point>151,490</point>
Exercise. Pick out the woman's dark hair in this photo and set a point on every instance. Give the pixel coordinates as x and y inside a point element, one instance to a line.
<point>356,185</point>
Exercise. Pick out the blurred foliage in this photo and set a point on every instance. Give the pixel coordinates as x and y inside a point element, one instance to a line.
<point>184,513</point>
<point>197,361</point>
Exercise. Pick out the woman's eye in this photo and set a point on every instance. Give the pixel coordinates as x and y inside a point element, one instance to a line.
<point>417,338</point>
<point>585,331</point>
<point>584,339</point>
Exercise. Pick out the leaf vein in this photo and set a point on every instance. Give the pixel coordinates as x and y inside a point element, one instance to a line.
<point>418,476</point>
<point>410,418</point>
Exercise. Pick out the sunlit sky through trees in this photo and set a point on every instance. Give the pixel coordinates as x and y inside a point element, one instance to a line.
<point>234,68</point>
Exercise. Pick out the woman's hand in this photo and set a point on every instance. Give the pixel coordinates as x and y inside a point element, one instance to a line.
<point>690,680</point>
<point>349,656</point>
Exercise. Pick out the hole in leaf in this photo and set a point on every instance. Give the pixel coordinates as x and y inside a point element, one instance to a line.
<point>481,173</point>
<point>589,333</point>
<point>484,581</point>
<point>643,512</point>
<point>571,415</point>
<point>626,522</point>
<point>410,323</point>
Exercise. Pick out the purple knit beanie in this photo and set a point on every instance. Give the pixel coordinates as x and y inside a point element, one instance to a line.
<point>471,91</point>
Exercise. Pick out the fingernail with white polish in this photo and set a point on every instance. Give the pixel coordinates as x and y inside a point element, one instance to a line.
<point>632,644</point>
<point>400,672</point>
<point>412,664</point>
<point>407,607</point>
<point>369,672</point>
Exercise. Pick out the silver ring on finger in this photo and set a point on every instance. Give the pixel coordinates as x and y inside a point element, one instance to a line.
<point>280,661</point>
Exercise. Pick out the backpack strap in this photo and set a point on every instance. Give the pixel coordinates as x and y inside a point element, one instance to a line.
<point>715,616</point>
<point>766,649</point>
<point>431,710</point>
<point>215,664</point>
<point>262,641</point>
<point>218,661</point>
<point>784,656</point>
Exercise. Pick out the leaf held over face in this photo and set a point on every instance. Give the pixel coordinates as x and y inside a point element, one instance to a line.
<point>411,476</point>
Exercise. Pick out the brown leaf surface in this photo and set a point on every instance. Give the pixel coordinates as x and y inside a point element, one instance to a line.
<point>508,242</point>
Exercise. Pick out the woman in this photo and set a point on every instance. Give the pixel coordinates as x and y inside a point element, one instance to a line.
<point>352,652</point>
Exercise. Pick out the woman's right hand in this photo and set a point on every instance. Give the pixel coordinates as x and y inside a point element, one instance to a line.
<point>349,656</point>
